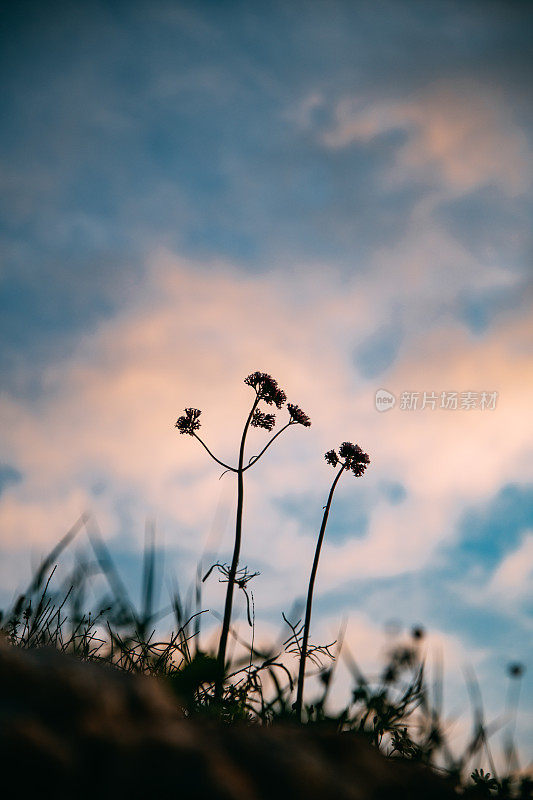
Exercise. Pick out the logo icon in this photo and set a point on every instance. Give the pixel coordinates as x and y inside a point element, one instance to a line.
<point>384,400</point>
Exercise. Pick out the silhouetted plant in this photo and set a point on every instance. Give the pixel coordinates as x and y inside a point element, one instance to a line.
<point>393,710</point>
<point>350,458</point>
<point>242,578</point>
<point>267,391</point>
<point>515,671</point>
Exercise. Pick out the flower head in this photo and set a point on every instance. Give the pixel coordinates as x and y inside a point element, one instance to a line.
<point>266,388</point>
<point>188,422</point>
<point>354,458</point>
<point>260,420</point>
<point>298,416</point>
<point>332,458</point>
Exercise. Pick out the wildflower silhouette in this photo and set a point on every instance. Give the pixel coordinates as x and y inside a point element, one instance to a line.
<point>189,422</point>
<point>297,415</point>
<point>261,420</point>
<point>266,391</point>
<point>484,783</point>
<point>515,672</point>
<point>350,458</point>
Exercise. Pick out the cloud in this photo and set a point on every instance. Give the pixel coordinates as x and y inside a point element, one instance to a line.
<point>188,337</point>
<point>512,581</point>
<point>460,134</point>
<point>377,353</point>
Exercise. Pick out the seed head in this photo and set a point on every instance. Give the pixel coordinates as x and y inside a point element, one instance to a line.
<point>188,422</point>
<point>298,416</point>
<point>260,420</point>
<point>266,388</point>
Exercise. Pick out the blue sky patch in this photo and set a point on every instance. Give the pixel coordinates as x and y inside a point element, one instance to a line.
<point>488,532</point>
<point>9,476</point>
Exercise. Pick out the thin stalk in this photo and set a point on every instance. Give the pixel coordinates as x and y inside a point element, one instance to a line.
<point>255,459</point>
<point>511,707</point>
<point>226,466</point>
<point>309,605</point>
<point>221,659</point>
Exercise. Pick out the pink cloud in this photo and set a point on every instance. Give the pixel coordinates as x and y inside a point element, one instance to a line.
<point>461,132</point>
<point>189,338</point>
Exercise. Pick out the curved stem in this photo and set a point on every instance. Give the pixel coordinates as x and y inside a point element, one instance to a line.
<point>221,659</point>
<point>226,466</point>
<point>309,605</point>
<point>265,448</point>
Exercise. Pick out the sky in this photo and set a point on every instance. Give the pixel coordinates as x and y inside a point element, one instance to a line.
<point>336,193</point>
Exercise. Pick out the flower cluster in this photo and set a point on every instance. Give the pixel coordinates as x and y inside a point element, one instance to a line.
<point>332,458</point>
<point>188,423</point>
<point>354,458</point>
<point>260,420</point>
<point>298,416</point>
<point>266,388</point>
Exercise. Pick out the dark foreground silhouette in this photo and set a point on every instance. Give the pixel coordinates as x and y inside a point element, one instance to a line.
<point>77,729</point>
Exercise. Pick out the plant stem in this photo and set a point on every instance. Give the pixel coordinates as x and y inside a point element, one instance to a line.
<point>309,605</point>
<point>255,459</point>
<point>221,659</point>
<point>226,466</point>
